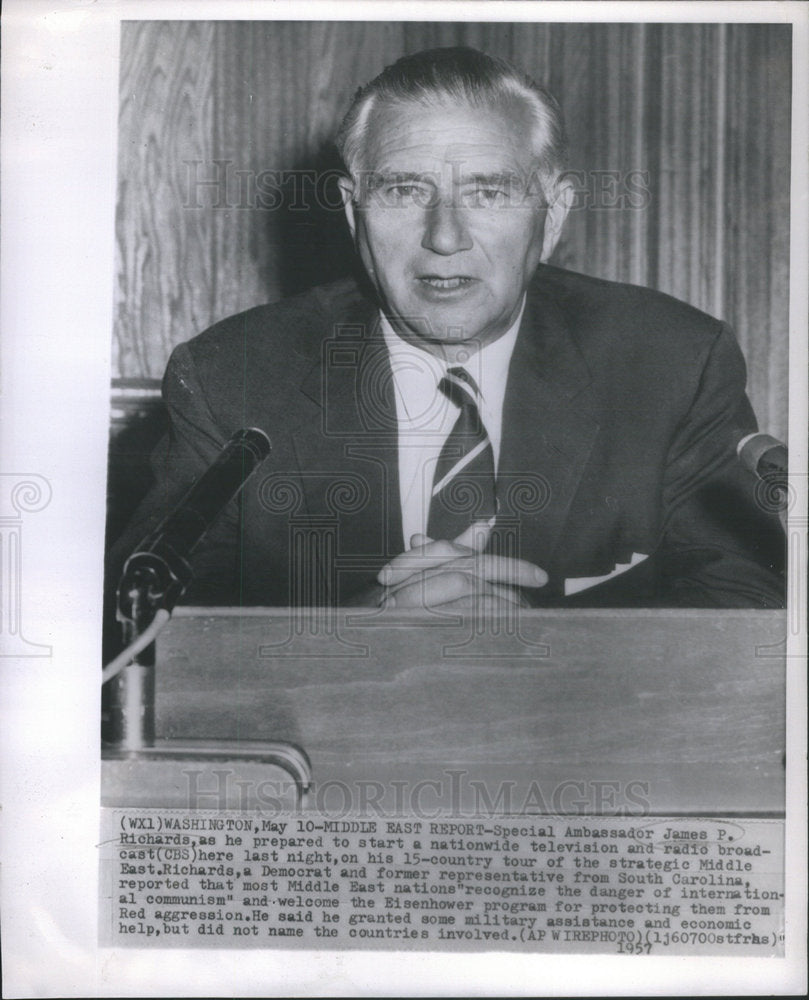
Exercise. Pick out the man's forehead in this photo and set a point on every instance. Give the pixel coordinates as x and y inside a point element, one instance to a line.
<point>413,136</point>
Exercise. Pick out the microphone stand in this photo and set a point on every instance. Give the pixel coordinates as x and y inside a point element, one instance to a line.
<point>131,692</point>
<point>138,769</point>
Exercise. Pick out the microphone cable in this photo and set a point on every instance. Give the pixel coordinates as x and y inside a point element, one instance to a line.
<point>124,658</point>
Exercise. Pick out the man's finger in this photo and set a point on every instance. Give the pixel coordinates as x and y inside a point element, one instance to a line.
<point>476,536</point>
<point>492,569</point>
<point>485,604</point>
<point>420,558</point>
<point>425,552</point>
<point>437,589</point>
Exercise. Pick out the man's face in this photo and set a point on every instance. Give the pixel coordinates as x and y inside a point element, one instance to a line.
<point>450,219</point>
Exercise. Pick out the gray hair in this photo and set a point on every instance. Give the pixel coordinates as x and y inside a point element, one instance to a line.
<point>457,74</point>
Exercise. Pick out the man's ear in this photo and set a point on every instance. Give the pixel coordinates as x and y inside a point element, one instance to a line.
<point>555,215</point>
<point>346,185</point>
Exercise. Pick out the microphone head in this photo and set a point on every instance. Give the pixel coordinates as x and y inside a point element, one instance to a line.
<point>762,454</point>
<point>752,449</point>
<point>254,440</point>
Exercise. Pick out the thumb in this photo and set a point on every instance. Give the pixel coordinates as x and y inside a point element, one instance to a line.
<point>476,536</point>
<point>417,541</point>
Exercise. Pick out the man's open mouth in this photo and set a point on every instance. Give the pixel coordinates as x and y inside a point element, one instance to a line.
<point>456,281</point>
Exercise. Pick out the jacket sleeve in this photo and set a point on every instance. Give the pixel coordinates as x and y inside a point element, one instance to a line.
<point>191,444</point>
<point>720,546</point>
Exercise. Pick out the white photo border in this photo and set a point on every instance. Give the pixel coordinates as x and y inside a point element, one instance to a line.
<point>59,141</point>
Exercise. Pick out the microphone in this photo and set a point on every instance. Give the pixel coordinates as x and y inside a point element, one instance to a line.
<point>157,573</point>
<point>765,457</point>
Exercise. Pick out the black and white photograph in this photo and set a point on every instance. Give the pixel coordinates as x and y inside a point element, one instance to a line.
<point>406,408</point>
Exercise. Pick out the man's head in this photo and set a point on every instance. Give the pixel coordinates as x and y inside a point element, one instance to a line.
<point>454,193</point>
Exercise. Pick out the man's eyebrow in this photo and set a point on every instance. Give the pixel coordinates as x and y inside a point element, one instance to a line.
<point>400,176</point>
<point>500,178</point>
<point>503,178</point>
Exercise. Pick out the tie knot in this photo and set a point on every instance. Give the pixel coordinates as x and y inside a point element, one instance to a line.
<point>459,386</point>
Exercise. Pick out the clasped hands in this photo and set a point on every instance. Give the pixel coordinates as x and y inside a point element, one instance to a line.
<point>457,575</point>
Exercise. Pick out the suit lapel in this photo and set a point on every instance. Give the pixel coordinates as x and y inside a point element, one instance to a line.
<point>549,428</point>
<point>349,464</point>
<point>349,467</point>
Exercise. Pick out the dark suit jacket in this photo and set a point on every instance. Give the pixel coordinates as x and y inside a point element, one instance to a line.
<point>622,410</point>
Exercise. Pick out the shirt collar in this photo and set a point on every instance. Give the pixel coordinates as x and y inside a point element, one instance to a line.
<point>417,371</point>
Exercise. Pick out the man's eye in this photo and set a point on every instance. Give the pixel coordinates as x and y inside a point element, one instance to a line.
<point>488,197</point>
<point>407,192</point>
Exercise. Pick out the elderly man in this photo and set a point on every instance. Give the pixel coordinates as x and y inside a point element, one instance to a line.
<point>469,426</point>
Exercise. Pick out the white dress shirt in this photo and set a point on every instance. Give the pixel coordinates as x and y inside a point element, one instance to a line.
<point>425,416</point>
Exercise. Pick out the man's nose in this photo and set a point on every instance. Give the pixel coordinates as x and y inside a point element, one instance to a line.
<point>445,229</point>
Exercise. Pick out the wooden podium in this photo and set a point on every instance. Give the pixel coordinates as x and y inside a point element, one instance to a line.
<point>588,712</point>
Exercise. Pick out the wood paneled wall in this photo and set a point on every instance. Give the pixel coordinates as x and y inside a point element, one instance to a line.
<point>679,139</point>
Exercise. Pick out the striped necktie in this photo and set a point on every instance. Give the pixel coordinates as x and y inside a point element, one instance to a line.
<point>463,484</point>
